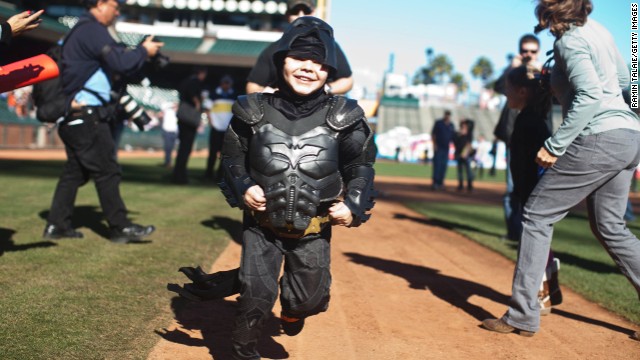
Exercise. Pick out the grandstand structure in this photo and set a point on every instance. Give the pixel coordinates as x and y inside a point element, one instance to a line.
<point>223,35</point>
<point>226,36</point>
<point>407,112</point>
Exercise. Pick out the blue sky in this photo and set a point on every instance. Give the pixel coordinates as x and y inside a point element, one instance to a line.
<point>369,31</point>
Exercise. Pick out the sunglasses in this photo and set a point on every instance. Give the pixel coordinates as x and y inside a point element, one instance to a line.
<point>528,51</point>
<point>296,9</point>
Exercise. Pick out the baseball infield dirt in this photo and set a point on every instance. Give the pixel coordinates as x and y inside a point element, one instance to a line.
<point>404,289</point>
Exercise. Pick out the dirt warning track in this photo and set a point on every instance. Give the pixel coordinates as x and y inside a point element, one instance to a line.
<point>405,289</point>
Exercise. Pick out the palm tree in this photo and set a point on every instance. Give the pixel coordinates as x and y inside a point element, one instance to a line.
<point>441,66</point>
<point>435,71</point>
<point>483,69</point>
<point>460,82</point>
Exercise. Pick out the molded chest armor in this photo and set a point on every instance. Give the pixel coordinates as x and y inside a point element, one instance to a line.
<point>296,163</point>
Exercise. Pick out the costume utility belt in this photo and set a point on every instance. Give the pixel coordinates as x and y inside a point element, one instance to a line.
<point>316,225</point>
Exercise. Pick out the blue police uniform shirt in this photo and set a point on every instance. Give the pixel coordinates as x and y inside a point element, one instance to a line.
<point>98,82</point>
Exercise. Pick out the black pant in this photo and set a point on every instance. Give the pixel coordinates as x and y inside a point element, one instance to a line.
<point>215,145</point>
<point>304,287</point>
<point>90,154</point>
<point>186,135</point>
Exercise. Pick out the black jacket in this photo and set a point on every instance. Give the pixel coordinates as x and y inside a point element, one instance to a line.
<point>529,133</point>
<point>91,48</point>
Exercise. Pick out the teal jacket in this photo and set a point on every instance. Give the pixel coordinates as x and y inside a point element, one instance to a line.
<point>587,79</point>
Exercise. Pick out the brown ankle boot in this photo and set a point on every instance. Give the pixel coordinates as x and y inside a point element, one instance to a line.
<point>498,325</point>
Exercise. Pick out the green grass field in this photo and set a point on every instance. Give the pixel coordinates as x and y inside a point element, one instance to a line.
<point>420,170</point>
<point>91,299</point>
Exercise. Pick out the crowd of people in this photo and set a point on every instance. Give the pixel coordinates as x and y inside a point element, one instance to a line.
<point>297,158</point>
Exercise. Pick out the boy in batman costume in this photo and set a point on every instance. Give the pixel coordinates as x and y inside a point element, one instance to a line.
<point>296,161</point>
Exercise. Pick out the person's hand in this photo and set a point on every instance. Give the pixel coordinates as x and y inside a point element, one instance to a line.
<point>24,21</point>
<point>340,214</point>
<point>545,158</point>
<point>516,61</point>
<point>269,90</point>
<point>254,198</point>
<point>77,105</point>
<point>152,46</point>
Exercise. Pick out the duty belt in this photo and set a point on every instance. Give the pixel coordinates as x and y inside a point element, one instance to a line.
<point>85,113</point>
<point>316,224</point>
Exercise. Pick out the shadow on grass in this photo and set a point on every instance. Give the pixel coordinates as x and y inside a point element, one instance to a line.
<point>573,260</point>
<point>231,226</point>
<point>444,224</point>
<point>92,218</point>
<point>453,290</point>
<point>591,321</point>
<point>139,173</point>
<point>87,216</point>
<point>214,319</point>
<point>577,215</point>
<point>586,264</point>
<point>7,244</point>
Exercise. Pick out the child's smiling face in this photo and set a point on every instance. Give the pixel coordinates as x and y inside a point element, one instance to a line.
<point>304,76</point>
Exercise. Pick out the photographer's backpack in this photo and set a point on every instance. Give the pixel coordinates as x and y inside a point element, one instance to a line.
<point>48,96</point>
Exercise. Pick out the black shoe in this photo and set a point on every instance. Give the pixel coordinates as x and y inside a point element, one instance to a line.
<point>133,232</point>
<point>291,326</point>
<point>55,232</point>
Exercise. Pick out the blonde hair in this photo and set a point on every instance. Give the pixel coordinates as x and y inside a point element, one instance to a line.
<point>558,15</point>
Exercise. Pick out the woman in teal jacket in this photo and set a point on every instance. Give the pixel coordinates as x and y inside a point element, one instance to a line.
<point>592,155</point>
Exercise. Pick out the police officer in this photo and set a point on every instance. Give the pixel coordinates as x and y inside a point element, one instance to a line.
<point>90,56</point>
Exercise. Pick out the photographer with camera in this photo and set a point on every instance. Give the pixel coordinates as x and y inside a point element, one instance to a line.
<point>128,108</point>
<point>529,46</point>
<point>89,59</point>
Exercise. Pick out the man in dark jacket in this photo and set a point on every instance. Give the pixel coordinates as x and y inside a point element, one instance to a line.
<point>90,56</point>
<point>529,47</point>
<point>442,135</point>
<point>190,98</point>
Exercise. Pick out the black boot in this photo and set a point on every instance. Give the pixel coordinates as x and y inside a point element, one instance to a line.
<point>133,232</point>
<point>53,232</point>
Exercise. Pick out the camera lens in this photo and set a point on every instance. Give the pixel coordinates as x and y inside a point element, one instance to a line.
<point>134,111</point>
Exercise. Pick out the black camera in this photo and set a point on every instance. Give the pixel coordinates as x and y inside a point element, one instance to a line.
<point>159,61</point>
<point>132,110</point>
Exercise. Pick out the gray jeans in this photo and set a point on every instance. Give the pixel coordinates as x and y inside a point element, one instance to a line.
<point>597,167</point>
